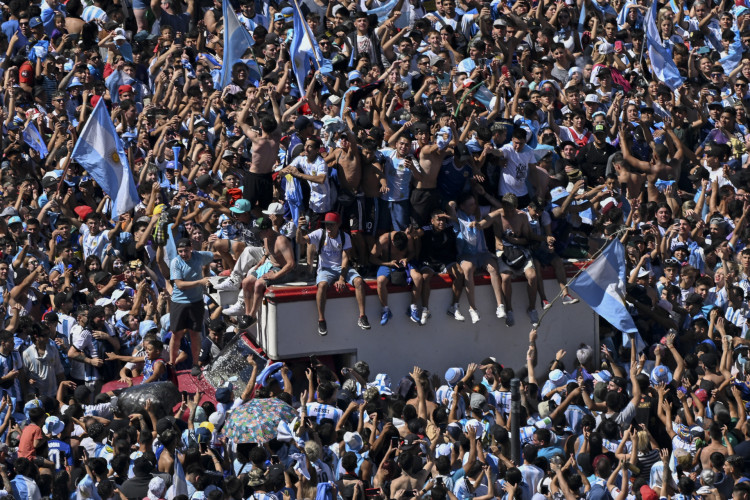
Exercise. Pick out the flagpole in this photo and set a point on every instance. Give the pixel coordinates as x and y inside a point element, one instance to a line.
<point>307,34</point>
<point>582,269</point>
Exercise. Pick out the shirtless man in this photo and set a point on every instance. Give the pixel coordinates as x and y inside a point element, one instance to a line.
<point>633,180</point>
<point>265,141</point>
<point>391,252</point>
<point>346,159</point>
<point>425,196</point>
<point>279,256</point>
<point>658,168</point>
<point>714,446</point>
<point>710,364</point>
<point>512,228</point>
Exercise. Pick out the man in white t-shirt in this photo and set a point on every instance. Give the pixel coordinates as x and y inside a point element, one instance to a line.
<point>334,248</point>
<point>521,161</point>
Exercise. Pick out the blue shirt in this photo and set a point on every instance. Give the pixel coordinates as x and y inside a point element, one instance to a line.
<point>59,453</point>
<point>24,487</point>
<point>191,270</point>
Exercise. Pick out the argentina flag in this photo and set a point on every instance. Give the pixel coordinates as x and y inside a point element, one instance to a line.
<point>384,10</point>
<point>33,138</point>
<point>236,42</point>
<point>662,64</point>
<point>602,287</point>
<point>304,49</point>
<point>100,151</point>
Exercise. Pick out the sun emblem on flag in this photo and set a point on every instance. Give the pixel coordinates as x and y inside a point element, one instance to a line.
<point>115,157</point>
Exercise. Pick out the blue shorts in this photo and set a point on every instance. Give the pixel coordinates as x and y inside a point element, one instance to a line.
<point>386,271</point>
<point>330,276</point>
<point>140,4</point>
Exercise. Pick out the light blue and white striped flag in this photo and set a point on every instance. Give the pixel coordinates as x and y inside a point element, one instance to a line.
<point>100,151</point>
<point>602,287</point>
<point>236,42</point>
<point>661,59</point>
<point>622,16</point>
<point>582,20</point>
<point>304,49</point>
<point>734,56</point>
<point>384,10</point>
<point>33,138</point>
<point>179,482</point>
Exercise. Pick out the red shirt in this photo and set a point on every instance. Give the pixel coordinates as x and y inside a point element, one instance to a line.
<point>30,433</point>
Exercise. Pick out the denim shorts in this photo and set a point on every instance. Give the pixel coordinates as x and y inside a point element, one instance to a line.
<point>330,276</point>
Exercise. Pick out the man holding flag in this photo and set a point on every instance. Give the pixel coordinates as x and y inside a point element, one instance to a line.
<point>101,153</point>
<point>662,65</point>
<point>602,286</point>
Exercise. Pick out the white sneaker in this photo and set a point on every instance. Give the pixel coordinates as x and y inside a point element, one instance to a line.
<point>500,311</point>
<point>533,316</point>
<point>456,313</point>
<point>236,309</point>
<point>425,316</point>
<point>569,300</point>
<point>474,315</point>
<point>227,285</point>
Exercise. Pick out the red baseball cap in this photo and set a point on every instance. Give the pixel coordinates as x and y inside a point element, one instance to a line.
<point>124,88</point>
<point>332,217</point>
<point>647,493</point>
<point>83,211</point>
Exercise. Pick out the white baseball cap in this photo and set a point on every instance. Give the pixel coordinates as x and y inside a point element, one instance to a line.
<point>274,208</point>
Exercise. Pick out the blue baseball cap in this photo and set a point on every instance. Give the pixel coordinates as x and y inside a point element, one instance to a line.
<point>74,82</point>
<point>661,374</point>
<point>241,206</point>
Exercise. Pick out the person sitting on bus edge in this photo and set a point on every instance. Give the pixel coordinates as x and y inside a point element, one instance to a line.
<point>276,267</point>
<point>471,246</point>
<point>512,231</point>
<point>334,249</point>
<point>435,246</point>
<point>391,253</point>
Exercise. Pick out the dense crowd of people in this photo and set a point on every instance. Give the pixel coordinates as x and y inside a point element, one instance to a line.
<point>384,140</point>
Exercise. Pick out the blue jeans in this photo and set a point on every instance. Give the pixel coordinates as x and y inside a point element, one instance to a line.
<point>393,214</point>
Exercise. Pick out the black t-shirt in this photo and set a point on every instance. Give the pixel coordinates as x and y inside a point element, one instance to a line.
<point>645,411</point>
<point>438,247</point>
<point>593,161</point>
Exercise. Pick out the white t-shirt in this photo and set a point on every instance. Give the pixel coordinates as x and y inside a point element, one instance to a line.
<point>515,172</point>
<point>320,194</point>
<point>332,252</point>
<point>93,245</point>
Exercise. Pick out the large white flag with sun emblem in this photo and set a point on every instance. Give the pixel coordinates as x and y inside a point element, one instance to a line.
<point>100,151</point>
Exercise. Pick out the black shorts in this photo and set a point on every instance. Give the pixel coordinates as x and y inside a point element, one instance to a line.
<point>258,189</point>
<point>316,220</point>
<point>352,214</point>
<point>186,316</point>
<point>369,220</point>
<point>423,202</point>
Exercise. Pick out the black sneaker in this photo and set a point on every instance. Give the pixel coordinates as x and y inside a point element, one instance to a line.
<point>246,321</point>
<point>363,323</point>
<point>322,328</point>
<point>195,371</point>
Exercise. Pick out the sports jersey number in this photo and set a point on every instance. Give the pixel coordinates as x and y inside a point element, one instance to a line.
<point>55,456</point>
